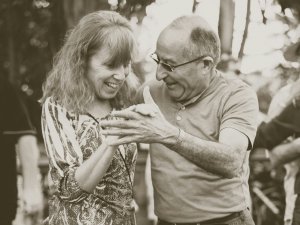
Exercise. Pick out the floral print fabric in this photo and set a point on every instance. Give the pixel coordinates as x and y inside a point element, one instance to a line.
<point>69,140</point>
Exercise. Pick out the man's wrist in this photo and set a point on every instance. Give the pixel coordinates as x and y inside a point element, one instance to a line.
<point>179,138</point>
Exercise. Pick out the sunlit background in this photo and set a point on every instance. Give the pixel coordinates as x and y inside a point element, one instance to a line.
<point>254,35</point>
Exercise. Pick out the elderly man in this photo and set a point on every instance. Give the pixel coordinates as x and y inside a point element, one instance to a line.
<point>199,124</point>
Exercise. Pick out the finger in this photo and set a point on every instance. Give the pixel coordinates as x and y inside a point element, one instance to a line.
<point>147,96</point>
<point>111,132</point>
<point>126,114</point>
<point>131,108</point>
<point>146,110</point>
<point>125,140</point>
<point>119,132</point>
<point>140,109</point>
<point>117,124</point>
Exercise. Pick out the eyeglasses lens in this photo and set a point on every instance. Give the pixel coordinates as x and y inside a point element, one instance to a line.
<point>167,67</point>
<point>164,65</point>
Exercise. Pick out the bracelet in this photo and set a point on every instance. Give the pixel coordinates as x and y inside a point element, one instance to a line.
<point>180,137</point>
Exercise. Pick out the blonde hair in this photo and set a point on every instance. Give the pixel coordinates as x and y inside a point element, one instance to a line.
<point>67,82</point>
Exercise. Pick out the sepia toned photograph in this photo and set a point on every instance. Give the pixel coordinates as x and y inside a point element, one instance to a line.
<point>150,112</point>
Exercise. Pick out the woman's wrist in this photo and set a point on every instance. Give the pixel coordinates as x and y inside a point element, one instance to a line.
<point>108,145</point>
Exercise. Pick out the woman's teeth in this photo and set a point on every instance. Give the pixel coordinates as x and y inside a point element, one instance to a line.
<point>112,85</point>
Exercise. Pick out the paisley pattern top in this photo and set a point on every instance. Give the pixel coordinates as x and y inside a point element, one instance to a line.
<point>69,140</point>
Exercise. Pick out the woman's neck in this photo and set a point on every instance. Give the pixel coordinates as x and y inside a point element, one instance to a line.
<point>99,109</point>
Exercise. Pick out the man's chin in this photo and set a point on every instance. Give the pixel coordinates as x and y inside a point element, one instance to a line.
<point>175,97</point>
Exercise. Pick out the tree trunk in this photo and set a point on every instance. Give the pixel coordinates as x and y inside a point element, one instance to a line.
<point>57,27</point>
<point>226,22</point>
<point>11,46</point>
<point>195,4</point>
<point>245,35</point>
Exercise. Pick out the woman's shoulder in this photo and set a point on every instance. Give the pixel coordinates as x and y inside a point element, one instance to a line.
<point>52,105</point>
<point>50,102</point>
<point>53,110</point>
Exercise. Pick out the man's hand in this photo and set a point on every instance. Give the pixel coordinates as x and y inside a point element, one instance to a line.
<point>142,123</point>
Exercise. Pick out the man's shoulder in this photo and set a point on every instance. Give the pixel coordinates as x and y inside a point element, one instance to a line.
<point>230,81</point>
<point>234,85</point>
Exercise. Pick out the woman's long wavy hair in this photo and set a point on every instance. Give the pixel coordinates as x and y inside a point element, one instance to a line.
<point>67,82</point>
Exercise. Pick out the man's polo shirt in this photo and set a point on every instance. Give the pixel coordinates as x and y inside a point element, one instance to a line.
<point>184,192</point>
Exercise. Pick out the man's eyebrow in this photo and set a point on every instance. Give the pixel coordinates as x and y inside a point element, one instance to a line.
<point>166,60</point>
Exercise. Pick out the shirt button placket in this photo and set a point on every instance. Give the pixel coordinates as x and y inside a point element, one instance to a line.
<point>178,116</point>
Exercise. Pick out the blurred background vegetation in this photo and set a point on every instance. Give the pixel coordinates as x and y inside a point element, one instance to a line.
<point>33,30</point>
<point>253,33</point>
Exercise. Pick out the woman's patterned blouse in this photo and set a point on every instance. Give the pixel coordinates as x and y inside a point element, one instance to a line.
<point>69,140</point>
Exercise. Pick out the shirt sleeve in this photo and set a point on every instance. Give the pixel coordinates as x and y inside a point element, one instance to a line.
<point>279,128</point>
<point>241,112</point>
<point>63,151</point>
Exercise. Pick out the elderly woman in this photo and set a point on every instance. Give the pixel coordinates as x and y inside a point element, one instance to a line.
<point>90,181</point>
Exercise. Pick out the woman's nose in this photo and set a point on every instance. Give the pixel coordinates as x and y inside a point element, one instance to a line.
<point>121,72</point>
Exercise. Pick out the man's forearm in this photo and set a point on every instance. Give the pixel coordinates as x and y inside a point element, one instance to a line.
<point>214,157</point>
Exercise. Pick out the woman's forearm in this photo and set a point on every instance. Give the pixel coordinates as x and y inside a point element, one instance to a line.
<point>89,174</point>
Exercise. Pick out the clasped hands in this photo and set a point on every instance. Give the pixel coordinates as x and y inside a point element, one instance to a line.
<point>143,123</point>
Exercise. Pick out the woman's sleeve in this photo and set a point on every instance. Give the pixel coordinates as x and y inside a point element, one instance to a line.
<point>63,151</point>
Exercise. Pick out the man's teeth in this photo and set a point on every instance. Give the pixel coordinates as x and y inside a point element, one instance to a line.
<point>113,85</point>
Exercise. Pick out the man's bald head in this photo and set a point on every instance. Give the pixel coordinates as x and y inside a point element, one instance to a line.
<point>200,38</point>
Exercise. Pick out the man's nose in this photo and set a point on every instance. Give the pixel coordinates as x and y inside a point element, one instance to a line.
<point>161,73</point>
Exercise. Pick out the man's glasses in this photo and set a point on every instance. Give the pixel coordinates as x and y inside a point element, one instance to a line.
<point>169,67</point>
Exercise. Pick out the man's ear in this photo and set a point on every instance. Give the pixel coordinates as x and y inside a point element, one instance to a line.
<point>208,62</point>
